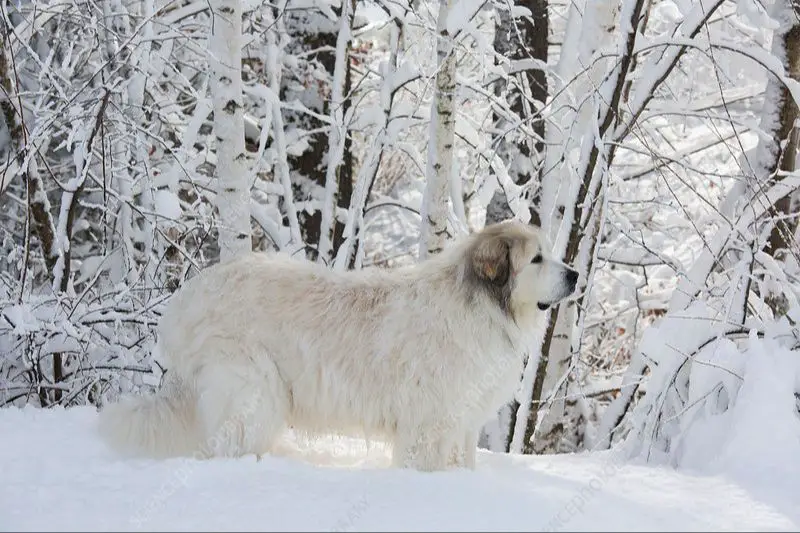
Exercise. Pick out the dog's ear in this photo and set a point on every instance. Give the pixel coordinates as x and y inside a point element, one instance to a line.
<point>491,259</point>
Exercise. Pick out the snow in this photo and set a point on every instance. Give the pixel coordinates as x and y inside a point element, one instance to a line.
<point>59,476</point>
<point>168,205</point>
<point>764,384</point>
<point>741,403</point>
<point>460,15</point>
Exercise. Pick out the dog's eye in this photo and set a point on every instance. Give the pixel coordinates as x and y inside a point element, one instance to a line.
<point>537,259</point>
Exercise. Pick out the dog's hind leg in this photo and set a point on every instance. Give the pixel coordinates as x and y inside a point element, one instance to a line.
<point>242,409</point>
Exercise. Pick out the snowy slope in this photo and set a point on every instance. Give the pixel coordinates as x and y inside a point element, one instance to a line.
<point>56,475</point>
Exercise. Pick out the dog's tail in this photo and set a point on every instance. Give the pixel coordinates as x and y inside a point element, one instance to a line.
<point>161,425</point>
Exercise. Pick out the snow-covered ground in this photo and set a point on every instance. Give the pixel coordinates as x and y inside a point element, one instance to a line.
<point>56,475</point>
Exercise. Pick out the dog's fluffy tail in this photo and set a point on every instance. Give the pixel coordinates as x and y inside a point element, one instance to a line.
<point>161,425</point>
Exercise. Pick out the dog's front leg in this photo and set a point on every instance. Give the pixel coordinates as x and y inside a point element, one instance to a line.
<point>463,453</point>
<point>470,449</point>
<point>423,450</point>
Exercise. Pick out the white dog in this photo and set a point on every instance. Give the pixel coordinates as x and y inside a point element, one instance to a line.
<point>422,355</point>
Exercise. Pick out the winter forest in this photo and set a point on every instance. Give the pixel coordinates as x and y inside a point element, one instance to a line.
<point>654,141</point>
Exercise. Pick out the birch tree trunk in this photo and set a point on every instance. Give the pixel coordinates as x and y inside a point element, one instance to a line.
<point>114,130</point>
<point>435,229</point>
<point>140,58</point>
<point>233,192</point>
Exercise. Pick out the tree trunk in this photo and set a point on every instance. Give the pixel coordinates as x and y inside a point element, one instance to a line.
<point>351,252</point>
<point>274,71</point>
<point>575,214</point>
<point>233,191</point>
<point>779,154</point>
<point>435,228</point>
<point>309,168</point>
<point>66,224</point>
<point>319,80</point>
<point>517,39</point>
<point>339,167</point>
<point>39,205</point>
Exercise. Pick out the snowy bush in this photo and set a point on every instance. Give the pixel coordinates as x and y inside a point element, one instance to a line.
<point>718,404</point>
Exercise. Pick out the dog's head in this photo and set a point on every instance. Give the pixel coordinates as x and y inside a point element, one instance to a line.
<point>510,260</point>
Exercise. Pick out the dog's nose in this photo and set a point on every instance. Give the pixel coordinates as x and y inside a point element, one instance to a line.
<point>572,278</point>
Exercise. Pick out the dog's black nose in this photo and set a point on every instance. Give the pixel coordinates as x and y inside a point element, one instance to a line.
<point>572,278</point>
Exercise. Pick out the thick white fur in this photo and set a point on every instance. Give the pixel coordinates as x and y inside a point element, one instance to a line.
<point>419,355</point>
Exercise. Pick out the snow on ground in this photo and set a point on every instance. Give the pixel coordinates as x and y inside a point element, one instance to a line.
<point>57,475</point>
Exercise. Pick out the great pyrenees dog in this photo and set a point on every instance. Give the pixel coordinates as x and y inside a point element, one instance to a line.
<point>421,356</point>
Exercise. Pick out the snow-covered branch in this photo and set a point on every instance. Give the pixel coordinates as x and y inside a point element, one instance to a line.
<point>338,132</point>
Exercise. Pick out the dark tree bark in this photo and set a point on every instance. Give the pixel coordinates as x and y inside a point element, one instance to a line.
<point>42,224</point>
<point>784,160</point>
<point>344,176</point>
<point>42,221</point>
<point>310,166</point>
<point>517,39</point>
